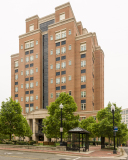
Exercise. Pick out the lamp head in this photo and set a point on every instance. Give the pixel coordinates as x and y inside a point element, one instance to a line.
<point>61,106</point>
<point>113,108</point>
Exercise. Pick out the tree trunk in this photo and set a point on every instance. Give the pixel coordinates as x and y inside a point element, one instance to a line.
<point>10,136</point>
<point>109,142</point>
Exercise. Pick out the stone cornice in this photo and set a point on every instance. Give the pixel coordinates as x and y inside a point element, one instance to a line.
<point>79,23</point>
<point>14,55</point>
<point>94,34</point>
<point>47,18</point>
<point>46,32</point>
<point>32,18</point>
<point>83,36</point>
<point>86,112</point>
<point>62,6</point>
<point>30,33</point>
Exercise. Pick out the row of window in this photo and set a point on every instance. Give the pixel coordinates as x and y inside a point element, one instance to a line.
<point>31,98</point>
<point>64,87</point>
<point>26,86</point>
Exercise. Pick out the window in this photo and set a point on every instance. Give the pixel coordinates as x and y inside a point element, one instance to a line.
<point>27,85</point>
<point>16,89</point>
<point>83,78</point>
<point>32,64</point>
<point>31,85</point>
<point>62,16</point>
<point>36,42</point>
<point>57,44</point>
<point>83,106</point>
<point>63,50</point>
<point>99,139</point>
<point>63,72</point>
<point>36,83</point>
<point>58,51</point>
<point>16,77</point>
<point>21,85</point>
<point>69,47</point>
<point>51,66</point>
<point>83,47</point>
<point>57,80</point>
<point>26,66</point>
<point>27,99</point>
<point>16,70</point>
<point>58,59</point>
<point>31,51</point>
<point>16,83</point>
<point>83,55</point>
<point>27,59</point>
<point>51,80</point>
<point>63,34</point>
<point>27,109</point>
<point>31,27</point>
<point>26,79</point>
<point>57,35</point>
<point>57,95</point>
<point>36,107</point>
<point>21,73</point>
<point>21,59</point>
<point>57,73</point>
<point>31,58</point>
<point>83,63</point>
<point>26,92</point>
<point>83,71</point>
<point>36,97</point>
<point>63,65</point>
<point>36,69</point>
<point>83,86</point>
<point>51,38</point>
<point>16,95</point>
<point>69,63</point>
<point>63,87</point>
<point>57,88</point>
<point>94,117</point>
<point>51,95</point>
<point>31,108</point>
<point>21,99</point>
<point>31,92</point>
<point>26,46</point>
<point>58,66</point>
<point>83,94</point>
<point>27,72</point>
<point>21,46</point>
<point>51,52</point>
<point>63,42</point>
<point>31,78</point>
<point>16,63</point>
<point>36,55</point>
<point>69,78</point>
<point>63,80</point>
<point>69,32</point>
<point>31,71</point>
<point>63,57</point>
<point>70,93</point>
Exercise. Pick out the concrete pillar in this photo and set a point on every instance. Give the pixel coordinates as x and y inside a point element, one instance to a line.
<point>34,128</point>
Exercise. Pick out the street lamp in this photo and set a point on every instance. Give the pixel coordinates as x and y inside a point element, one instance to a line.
<point>113,110</point>
<point>61,129</point>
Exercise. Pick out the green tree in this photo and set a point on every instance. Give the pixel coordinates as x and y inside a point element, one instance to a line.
<point>52,123</point>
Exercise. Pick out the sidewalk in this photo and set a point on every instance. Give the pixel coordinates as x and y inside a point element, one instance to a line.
<point>94,151</point>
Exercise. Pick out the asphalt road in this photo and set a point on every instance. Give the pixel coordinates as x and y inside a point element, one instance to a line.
<point>16,155</point>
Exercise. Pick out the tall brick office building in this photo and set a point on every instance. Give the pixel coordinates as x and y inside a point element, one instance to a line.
<point>56,54</point>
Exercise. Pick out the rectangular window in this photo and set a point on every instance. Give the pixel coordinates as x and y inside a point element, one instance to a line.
<point>16,70</point>
<point>21,99</point>
<point>21,59</point>
<point>63,42</point>
<point>27,72</point>
<point>31,45</point>
<point>57,80</point>
<point>26,66</point>
<point>31,109</point>
<point>26,105</point>
<point>63,72</point>
<point>63,57</point>
<point>27,59</point>
<point>57,88</point>
<point>83,78</point>
<point>69,32</point>
<point>27,99</point>
<point>63,50</point>
<point>36,107</point>
<point>36,69</point>
<point>70,93</point>
<point>83,71</point>
<point>21,46</point>
<point>83,63</point>
<point>31,104</point>
<point>51,95</point>
<point>57,35</point>
<point>83,94</point>
<point>69,47</point>
<point>16,77</point>
<point>63,80</point>
<point>63,65</point>
<point>83,86</point>
<point>27,85</point>
<point>36,83</point>
<point>83,55</point>
<point>26,79</point>
<point>57,95</point>
<point>16,64</point>
<point>31,92</point>
<point>58,66</point>
<point>63,87</point>
<point>27,52</point>
<point>31,58</point>
<point>57,73</point>
<point>31,85</point>
<point>16,83</point>
<point>31,98</point>
<point>16,95</point>
<point>26,92</point>
<point>21,85</point>
<point>69,63</point>
<point>36,42</point>
<point>58,59</point>
<point>31,27</point>
<point>51,80</point>
<point>36,55</point>
<point>16,89</point>
<point>31,71</point>
<point>69,78</point>
<point>83,106</point>
<point>27,45</point>
<point>51,52</point>
<point>27,109</point>
<point>83,47</point>
<point>62,16</point>
<point>36,97</point>
<point>57,44</point>
<point>51,38</point>
<point>51,66</point>
<point>63,34</point>
<point>31,78</point>
<point>32,64</point>
<point>58,51</point>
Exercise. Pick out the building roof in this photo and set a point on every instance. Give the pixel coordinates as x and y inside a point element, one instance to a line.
<point>78,130</point>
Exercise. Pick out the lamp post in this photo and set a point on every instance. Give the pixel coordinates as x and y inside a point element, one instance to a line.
<point>113,110</point>
<point>61,129</point>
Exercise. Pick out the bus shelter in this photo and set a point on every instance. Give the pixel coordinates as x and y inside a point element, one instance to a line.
<point>78,139</point>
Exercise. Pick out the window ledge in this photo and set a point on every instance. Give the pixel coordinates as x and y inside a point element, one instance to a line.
<point>61,39</point>
<point>81,52</point>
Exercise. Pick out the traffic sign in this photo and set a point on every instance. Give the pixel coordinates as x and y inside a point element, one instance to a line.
<point>115,129</point>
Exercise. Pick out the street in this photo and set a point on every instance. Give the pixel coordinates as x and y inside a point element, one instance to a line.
<point>16,155</point>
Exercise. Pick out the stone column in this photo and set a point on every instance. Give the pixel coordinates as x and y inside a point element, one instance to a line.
<point>34,130</point>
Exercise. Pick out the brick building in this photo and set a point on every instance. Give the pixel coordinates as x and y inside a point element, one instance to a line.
<point>56,54</point>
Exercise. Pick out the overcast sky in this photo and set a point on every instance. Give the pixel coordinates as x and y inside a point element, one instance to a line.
<point>108,18</point>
